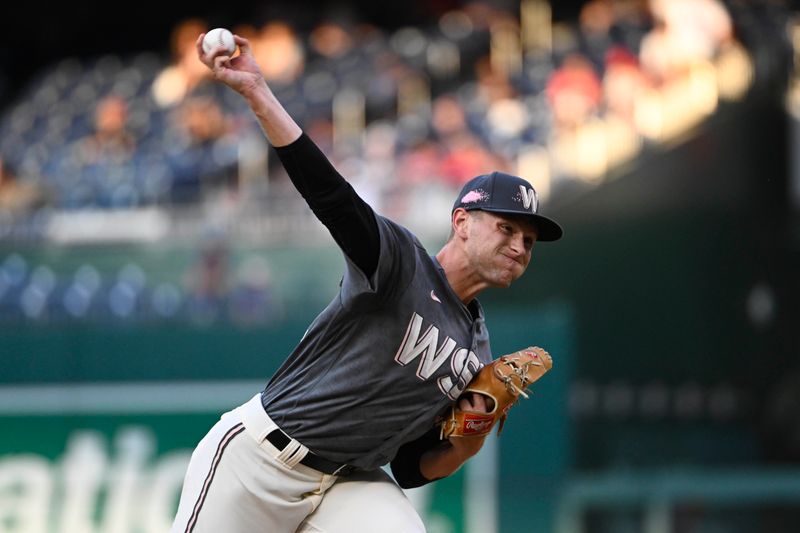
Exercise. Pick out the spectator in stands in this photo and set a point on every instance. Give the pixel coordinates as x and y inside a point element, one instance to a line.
<point>331,40</point>
<point>279,52</point>
<point>204,158</point>
<point>110,141</point>
<point>577,143</point>
<point>574,92</point>
<point>448,117</point>
<point>625,87</point>
<point>595,21</point>
<point>98,169</point>
<point>185,72</point>
<point>496,112</point>
<point>623,83</point>
<point>208,280</point>
<point>462,154</point>
<point>632,21</point>
<point>17,196</point>
<point>686,31</point>
<point>493,83</point>
<point>252,301</point>
<point>417,161</point>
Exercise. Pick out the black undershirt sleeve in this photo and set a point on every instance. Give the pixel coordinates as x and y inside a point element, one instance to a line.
<point>405,465</point>
<point>335,203</point>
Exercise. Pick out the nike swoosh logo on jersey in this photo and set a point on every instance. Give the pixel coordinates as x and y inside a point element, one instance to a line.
<point>434,297</point>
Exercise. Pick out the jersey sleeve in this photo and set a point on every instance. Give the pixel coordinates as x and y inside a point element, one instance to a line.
<point>395,268</point>
<point>350,220</point>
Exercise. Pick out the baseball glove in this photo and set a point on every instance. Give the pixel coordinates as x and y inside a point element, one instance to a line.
<point>503,380</point>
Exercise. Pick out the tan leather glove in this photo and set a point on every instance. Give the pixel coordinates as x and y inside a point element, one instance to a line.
<point>503,380</point>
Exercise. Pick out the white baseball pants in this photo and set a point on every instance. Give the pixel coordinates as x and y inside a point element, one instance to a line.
<point>238,482</point>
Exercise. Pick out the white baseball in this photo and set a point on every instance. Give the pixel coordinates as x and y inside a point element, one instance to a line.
<point>219,37</point>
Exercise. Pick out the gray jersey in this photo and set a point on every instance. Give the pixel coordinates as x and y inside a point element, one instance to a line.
<point>382,361</point>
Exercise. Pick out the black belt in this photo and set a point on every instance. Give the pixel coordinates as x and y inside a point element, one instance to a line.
<point>280,440</point>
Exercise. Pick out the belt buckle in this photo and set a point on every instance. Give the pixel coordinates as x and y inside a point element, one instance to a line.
<point>343,470</point>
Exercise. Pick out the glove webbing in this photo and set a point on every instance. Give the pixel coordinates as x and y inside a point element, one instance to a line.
<point>520,370</point>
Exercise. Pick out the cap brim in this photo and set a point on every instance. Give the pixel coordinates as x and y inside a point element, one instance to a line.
<point>548,229</point>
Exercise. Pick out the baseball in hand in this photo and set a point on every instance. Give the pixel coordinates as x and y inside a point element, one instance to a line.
<point>219,37</point>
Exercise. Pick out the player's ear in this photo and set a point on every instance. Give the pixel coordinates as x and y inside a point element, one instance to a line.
<point>460,222</point>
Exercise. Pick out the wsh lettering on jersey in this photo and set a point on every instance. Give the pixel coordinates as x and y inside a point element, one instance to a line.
<point>464,364</point>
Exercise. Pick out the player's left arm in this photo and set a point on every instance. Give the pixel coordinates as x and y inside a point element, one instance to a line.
<point>429,458</point>
<point>441,462</point>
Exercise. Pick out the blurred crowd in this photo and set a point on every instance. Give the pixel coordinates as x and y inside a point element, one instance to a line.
<point>214,287</point>
<point>407,115</point>
<point>480,88</point>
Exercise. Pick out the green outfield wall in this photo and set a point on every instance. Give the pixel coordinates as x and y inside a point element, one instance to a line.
<point>98,424</point>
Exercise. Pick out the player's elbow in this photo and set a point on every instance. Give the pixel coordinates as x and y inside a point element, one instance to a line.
<point>408,475</point>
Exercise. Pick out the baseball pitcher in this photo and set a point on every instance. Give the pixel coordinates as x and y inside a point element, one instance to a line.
<point>397,369</point>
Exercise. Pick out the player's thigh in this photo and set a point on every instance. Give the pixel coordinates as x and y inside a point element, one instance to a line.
<point>234,485</point>
<point>365,502</point>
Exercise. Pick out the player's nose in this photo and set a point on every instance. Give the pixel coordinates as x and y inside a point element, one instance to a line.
<point>517,245</point>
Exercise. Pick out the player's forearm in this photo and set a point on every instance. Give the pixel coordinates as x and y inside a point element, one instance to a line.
<point>279,127</point>
<point>243,75</point>
<point>443,461</point>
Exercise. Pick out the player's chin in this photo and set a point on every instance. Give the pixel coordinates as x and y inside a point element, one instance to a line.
<point>502,275</point>
<point>504,279</point>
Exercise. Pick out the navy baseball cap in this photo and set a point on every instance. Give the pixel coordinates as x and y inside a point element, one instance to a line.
<point>499,192</point>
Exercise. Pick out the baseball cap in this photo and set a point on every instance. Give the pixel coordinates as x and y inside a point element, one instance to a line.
<point>499,192</point>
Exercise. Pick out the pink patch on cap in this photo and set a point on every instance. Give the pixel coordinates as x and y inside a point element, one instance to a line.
<point>474,196</point>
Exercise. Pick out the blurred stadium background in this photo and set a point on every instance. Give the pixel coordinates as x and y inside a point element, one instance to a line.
<point>156,266</point>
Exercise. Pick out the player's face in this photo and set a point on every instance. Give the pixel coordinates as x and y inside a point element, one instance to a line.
<point>500,246</point>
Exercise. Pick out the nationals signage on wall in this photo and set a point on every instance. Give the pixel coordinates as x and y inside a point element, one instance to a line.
<point>122,473</point>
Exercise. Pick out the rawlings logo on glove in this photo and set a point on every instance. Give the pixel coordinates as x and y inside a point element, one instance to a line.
<point>503,380</point>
